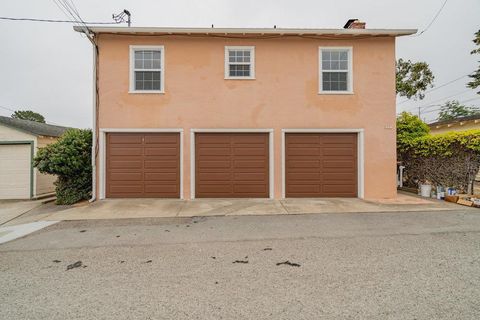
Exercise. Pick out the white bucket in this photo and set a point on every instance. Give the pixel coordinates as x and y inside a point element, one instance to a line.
<point>425,190</point>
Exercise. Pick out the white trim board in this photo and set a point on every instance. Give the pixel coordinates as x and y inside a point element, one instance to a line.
<point>132,70</point>
<point>349,71</point>
<point>271,157</point>
<point>360,154</point>
<point>103,154</point>
<point>251,63</point>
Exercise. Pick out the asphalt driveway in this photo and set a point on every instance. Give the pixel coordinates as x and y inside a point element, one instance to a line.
<point>395,265</point>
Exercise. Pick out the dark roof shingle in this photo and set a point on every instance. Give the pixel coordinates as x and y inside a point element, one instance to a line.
<point>33,127</point>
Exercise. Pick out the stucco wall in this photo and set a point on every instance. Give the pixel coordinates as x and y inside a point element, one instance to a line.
<point>283,95</point>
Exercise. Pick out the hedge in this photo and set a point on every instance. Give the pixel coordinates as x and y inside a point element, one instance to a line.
<point>70,160</point>
<point>451,159</point>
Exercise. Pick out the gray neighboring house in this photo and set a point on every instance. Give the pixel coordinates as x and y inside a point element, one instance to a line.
<point>19,142</point>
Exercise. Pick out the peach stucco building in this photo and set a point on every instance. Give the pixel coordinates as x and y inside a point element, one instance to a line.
<point>260,113</point>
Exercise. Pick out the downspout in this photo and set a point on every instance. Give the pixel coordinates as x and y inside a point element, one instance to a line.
<point>94,120</point>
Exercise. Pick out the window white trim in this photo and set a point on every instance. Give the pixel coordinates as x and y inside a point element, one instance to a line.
<point>271,171</point>
<point>251,63</point>
<point>360,154</point>
<point>134,48</point>
<point>349,73</point>
<point>102,150</point>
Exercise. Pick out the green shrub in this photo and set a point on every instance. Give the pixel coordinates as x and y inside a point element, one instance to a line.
<point>409,128</point>
<point>451,159</point>
<point>70,160</point>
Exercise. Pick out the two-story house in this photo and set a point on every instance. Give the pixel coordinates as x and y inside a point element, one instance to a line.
<point>253,113</point>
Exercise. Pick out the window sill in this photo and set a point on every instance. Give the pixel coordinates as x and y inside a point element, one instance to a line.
<point>239,78</point>
<point>336,92</point>
<point>147,92</point>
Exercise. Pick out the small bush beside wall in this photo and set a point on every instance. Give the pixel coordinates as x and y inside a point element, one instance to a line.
<point>451,159</point>
<point>70,160</point>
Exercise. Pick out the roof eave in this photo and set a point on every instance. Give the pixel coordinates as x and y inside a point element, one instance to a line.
<point>248,31</point>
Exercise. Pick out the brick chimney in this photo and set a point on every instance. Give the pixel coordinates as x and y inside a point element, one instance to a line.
<point>354,24</point>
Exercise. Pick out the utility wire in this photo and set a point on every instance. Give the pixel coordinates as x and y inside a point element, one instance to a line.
<point>431,103</point>
<point>48,122</point>
<point>436,88</point>
<point>53,21</point>
<point>433,20</point>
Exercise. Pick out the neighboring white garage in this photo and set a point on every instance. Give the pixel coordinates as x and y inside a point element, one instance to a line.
<point>19,141</point>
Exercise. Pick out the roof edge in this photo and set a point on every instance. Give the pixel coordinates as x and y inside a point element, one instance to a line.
<point>245,31</point>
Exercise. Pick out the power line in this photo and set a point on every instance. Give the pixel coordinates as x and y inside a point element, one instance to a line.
<point>436,88</point>
<point>433,20</point>
<point>48,122</point>
<point>53,21</point>
<point>441,99</point>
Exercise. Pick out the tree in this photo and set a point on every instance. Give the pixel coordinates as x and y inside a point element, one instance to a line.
<point>413,78</point>
<point>28,115</point>
<point>410,127</point>
<point>69,158</point>
<point>453,110</point>
<point>475,83</point>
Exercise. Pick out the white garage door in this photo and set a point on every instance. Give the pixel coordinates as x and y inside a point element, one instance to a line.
<point>15,171</point>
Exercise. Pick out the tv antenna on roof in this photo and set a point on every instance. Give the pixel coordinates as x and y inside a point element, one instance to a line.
<point>119,18</point>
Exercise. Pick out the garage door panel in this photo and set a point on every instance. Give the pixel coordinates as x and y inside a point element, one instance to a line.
<point>338,164</point>
<point>161,151</point>
<point>127,189</point>
<point>299,176</point>
<point>214,164</point>
<point>338,151</point>
<point>303,189</point>
<point>339,139</point>
<point>15,166</point>
<point>242,170</point>
<point>338,188</point>
<point>161,189</point>
<point>125,138</point>
<point>125,164</point>
<point>205,189</point>
<point>122,151</point>
<point>125,176</point>
<point>152,164</point>
<point>138,161</point>
<point>166,138</point>
<point>207,151</point>
<point>305,151</point>
<point>160,176</point>
<point>248,176</point>
<point>212,139</point>
<point>292,163</point>
<point>214,176</point>
<point>321,165</point>
<point>299,139</point>
<point>250,151</point>
<point>249,188</point>
<point>249,163</point>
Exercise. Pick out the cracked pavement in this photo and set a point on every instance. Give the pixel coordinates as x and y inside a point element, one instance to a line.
<point>396,265</point>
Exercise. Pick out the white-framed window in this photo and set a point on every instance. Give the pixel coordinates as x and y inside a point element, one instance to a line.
<point>239,62</point>
<point>335,74</point>
<point>147,69</point>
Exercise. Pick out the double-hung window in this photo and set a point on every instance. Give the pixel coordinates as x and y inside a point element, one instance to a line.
<point>147,72</point>
<point>239,62</point>
<point>335,70</point>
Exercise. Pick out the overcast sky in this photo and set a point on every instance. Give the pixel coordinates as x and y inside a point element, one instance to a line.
<point>47,67</point>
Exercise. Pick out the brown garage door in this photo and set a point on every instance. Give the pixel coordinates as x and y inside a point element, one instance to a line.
<point>231,165</point>
<point>143,165</point>
<point>321,165</point>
